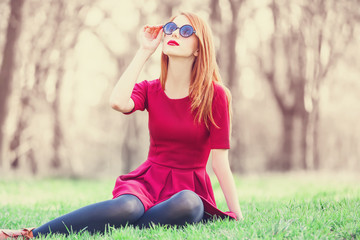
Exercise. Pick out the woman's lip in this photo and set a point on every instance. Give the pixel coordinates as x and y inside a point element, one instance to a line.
<point>173,43</point>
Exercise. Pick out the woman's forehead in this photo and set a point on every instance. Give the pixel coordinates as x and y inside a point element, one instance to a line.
<point>181,20</point>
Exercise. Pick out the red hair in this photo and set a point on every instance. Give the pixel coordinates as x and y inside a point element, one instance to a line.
<point>205,72</point>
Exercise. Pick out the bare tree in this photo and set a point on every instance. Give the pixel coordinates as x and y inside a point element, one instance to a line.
<point>299,57</point>
<point>8,61</point>
<point>227,34</point>
<point>47,40</point>
<point>70,24</point>
<point>326,19</point>
<point>231,80</point>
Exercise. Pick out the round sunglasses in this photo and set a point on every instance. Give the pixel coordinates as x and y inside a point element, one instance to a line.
<point>185,31</point>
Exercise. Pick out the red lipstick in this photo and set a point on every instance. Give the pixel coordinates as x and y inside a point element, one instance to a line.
<point>173,43</point>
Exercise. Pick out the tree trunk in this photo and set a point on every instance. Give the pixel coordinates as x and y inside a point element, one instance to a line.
<point>231,81</point>
<point>58,133</point>
<point>8,62</point>
<point>232,37</point>
<point>285,159</point>
<point>22,152</point>
<point>300,139</point>
<point>215,14</point>
<point>316,143</point>
<point>304,141</point>
<point>315,135</point>
<point>217,28</point>
<point>16,139</point>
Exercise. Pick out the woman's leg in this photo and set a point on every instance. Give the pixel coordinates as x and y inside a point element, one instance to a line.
<point>96,217</point>
<point>183,207</point>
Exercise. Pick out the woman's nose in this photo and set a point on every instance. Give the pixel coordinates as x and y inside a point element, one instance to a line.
<point>176,33</point>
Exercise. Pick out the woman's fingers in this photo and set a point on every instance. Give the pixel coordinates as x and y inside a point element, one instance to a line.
<point>151,37</point>
<point>155,33</point>
<point>153,30</point>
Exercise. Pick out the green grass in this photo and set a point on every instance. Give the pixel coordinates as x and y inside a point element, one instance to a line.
<point>275,206</point>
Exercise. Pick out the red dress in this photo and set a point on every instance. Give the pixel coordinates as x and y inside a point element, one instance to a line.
<point>179,148</point>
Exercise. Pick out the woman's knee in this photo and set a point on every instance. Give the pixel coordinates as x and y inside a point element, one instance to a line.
<point>129,205</point>
<point>190,204</point>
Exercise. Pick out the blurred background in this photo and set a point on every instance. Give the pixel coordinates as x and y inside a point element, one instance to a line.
<point>293,68</point>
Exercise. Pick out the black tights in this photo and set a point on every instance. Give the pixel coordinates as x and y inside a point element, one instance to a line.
<point>183,207</point>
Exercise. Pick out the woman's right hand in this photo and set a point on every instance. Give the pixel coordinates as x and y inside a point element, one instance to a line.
<point>150,37</point>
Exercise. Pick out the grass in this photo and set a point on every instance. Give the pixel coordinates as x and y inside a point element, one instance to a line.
<point>275,206</point>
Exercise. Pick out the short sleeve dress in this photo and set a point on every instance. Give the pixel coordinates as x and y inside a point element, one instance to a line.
<point>179,148</point>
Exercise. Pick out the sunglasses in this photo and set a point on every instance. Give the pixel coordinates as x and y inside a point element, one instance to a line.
<point>185,31</point>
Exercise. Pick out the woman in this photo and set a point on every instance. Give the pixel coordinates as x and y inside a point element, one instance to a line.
<point>188,118</point>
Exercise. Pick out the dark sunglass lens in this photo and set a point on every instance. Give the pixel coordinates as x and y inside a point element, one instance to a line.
<point>186,31</point>
<point>169,28</point>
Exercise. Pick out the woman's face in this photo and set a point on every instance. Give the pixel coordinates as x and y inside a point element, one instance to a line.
<point>175,45</point>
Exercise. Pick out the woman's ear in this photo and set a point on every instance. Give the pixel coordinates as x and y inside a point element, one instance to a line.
<point>196,53</point>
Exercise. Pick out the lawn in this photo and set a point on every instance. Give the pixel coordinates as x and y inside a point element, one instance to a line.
<point>275,206</point>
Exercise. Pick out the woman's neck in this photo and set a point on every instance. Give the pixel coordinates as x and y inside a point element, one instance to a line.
<point>178,77</point>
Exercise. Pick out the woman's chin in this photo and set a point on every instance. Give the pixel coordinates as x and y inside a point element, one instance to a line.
<point>176,54</point>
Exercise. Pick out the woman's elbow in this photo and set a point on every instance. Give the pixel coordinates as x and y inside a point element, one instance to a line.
<point>124,108</point>
<point>114,105</point>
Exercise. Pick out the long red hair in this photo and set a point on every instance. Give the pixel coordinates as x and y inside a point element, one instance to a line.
<point>204,74</point>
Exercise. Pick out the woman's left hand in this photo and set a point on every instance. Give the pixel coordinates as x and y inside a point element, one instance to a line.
<point>239,216</point>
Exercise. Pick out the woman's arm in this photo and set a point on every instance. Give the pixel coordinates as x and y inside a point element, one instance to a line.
<point>120,97</point>
<point>221,167</point>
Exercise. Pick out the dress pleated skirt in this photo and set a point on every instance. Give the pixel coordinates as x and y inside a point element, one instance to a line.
<point>153,183</point>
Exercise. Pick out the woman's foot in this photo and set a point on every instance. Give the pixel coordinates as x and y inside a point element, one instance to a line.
<point>25,233</point>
